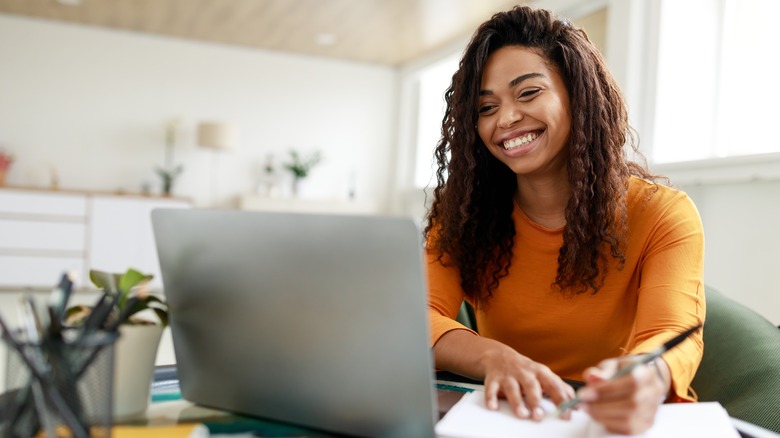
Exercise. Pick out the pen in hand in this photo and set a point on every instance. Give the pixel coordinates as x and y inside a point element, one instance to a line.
<point>642,359</point>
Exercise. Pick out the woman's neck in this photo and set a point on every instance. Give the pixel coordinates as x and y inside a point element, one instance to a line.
<point>544,200</point>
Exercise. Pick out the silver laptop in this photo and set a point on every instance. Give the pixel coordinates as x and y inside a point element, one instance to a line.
<point>315,320</point>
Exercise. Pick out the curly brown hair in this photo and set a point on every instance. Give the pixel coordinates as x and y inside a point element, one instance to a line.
<point>470,221</point>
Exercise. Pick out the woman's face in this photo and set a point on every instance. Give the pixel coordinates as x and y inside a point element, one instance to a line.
<point>524,116</point>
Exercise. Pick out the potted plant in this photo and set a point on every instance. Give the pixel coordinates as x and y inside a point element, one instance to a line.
<point>126,305</point>
<point>169,172</point>
<point>300,167</point>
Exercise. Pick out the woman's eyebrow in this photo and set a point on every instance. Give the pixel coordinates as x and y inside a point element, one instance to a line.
<point>521,78</point>
<point>514,82</point>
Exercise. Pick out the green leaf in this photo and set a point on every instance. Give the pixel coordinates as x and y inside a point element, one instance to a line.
<point>75,315</point>
<point>130,279</point>
<point>104,280</point>
<point>135,306</point>
<point>154,301</point>
<point>163,315</point>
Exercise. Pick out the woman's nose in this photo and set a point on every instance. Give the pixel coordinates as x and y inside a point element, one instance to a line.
<point>508,116</point>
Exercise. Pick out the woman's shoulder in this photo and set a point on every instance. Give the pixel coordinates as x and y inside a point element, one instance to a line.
<point>653,197</point>
<point>641,188</point>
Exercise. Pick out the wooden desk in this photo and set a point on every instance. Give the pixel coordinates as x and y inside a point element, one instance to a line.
<point>173,417</point>
<point>170,416</point>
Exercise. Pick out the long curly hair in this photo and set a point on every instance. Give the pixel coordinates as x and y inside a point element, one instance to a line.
<point>470,221</point>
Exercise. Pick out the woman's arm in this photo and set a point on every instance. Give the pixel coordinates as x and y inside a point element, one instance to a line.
<point>670,300</point>
<point>506,373</point>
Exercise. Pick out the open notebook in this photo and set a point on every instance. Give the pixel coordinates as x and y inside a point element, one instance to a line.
<point>469,418</point>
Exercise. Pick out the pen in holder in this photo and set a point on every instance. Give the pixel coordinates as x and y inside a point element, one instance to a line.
<point>61,386</point>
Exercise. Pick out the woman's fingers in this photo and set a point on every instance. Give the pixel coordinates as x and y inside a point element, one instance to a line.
<point>522,382</point>
<point>491,394</point>
<point>626,404</point>
<point>523,391</point>
<point>513,394</point>
<point>532,393</point>
<point>510,390</point>
<point>618,416</point>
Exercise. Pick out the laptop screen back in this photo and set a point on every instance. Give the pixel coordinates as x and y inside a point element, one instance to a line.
<point>316,320</point>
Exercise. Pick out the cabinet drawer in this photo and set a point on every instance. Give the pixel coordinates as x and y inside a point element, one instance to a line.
<point>34,271</point>
<point>42,235</point>
<point>32,203</point>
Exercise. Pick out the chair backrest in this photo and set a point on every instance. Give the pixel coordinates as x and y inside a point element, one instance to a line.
<point>741,363</point>
<point>466,316</point>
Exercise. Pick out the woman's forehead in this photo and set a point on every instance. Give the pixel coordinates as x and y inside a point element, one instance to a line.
<point>511,62</point>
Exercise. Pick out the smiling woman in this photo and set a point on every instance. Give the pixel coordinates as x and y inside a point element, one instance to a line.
<point>559,242</point>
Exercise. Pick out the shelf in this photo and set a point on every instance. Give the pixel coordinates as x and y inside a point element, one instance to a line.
<point>317,206</point>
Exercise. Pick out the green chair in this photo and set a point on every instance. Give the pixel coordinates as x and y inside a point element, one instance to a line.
<point>741,363</point>
<point>466,316</point>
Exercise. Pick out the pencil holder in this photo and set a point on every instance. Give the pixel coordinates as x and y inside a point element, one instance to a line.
<point>60,387</point>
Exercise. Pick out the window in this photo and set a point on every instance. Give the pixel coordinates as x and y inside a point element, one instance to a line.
<point>433,82</point>
<point>716,94</point>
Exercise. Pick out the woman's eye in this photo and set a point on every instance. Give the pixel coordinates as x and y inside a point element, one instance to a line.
<point>529,93</point>
<point>485,109</point>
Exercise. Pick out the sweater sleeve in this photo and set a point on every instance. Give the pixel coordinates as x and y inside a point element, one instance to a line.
<point>671,291</point>
<point>445,297</point>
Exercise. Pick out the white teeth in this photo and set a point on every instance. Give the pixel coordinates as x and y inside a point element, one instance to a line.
<point>520,141</point>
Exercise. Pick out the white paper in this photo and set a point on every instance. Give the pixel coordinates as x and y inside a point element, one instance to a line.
<point>470,418</point>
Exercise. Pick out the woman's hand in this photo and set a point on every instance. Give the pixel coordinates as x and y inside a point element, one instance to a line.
<point>626,405</point>
<point>506,373</point>
<point>510,375</point>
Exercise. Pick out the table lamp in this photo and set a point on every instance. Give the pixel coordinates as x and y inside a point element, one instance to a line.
<point>217,136</point>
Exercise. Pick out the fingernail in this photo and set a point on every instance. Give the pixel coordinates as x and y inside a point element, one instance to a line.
<point>522,412</point>
<point>587,394</point>
<point>538,413</point>
<point>493,404</point>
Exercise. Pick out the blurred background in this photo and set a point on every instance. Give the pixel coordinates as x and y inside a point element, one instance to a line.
<point>110,99</point>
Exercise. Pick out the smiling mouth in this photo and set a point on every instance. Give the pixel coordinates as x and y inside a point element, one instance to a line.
<point>521,140</point>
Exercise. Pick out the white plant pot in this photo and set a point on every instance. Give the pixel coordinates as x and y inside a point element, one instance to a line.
<point>135,353</point>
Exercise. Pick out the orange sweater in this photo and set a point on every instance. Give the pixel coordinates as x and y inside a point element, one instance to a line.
<point>658,294</point>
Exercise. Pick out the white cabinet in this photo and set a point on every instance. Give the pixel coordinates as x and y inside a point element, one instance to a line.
<point>43,234</point>
<point>121,234</point>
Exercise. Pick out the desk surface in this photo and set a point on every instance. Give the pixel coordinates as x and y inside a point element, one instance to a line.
<point>171,416</point>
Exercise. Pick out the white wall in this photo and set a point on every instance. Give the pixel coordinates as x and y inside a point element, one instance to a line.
<point>739,202</point>
<point>742,240</point>
<point>92,103</point>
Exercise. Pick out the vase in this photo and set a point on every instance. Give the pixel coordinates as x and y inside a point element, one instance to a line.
<point>135,354</point>
<point>299,186</point>
<point>167,186</point>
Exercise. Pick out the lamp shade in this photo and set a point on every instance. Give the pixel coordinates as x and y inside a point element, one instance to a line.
<point>217,135</point>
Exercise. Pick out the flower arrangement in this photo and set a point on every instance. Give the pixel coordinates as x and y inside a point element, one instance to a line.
<point>5,162</point>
